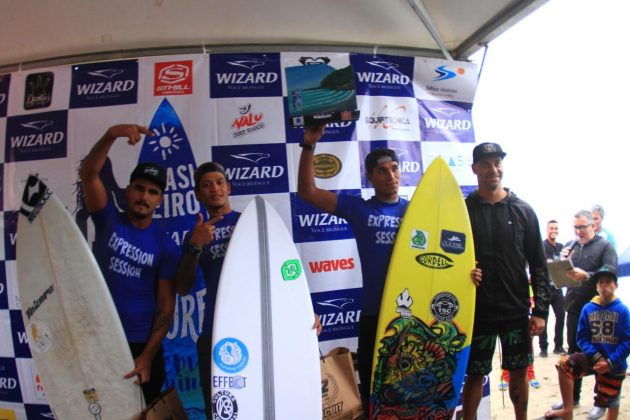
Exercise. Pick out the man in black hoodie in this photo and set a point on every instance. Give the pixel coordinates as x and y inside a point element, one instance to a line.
<point>507,243</point>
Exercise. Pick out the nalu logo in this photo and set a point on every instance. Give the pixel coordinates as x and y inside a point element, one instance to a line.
<point>453,242</point>
<point>33,198</point>
<point>444,306</point>
<point>230,355</point>
<point>419,239</point>
<point>291,269</point>
<point>247,122</point>
<point>224,406</point>
<point>434,260</point>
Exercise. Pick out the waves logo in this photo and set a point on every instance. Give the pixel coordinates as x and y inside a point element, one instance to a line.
<point>173,78</point>
<point>247,122</point>
<point>104,84</point>
<point>390,118</point>
<point>326,165</point>
<point>443,73</point>
<point>38,90</point>
<point>383,75</point>
<point>37,136</point>
<point>245,75</point>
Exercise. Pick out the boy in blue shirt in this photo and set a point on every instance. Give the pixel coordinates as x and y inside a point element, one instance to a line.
<point>604,338</point>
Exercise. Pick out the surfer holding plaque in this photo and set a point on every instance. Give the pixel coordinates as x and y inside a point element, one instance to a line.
<point>508,244</point>
<point>370,220</point>
<point>135,254</point>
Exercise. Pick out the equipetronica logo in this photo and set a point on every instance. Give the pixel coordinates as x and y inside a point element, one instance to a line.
<point>224,406</point>
<point>444,306</point>
<point>291,269</point>
<point>419,239</point>
<point>230,355</point>
<point>453,242</point>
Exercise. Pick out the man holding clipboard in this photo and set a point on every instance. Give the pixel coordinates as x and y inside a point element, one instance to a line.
<point>588,253</point>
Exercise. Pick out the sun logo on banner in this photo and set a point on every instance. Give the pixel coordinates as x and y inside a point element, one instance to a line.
<point>165,140</point>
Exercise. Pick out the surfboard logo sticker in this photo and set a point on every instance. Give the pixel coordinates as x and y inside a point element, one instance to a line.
<point>444,306</point>
<point>34,197</point>
<point>230,355</point>
<point>434,261</point>
<point>291,269</point>
<point>453,242</point>
<point>419,239</point>
<point>91,397</point>
<point>224,406</point>
<point>39,336</point>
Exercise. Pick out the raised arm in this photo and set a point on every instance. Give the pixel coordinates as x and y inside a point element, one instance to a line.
<point>307,190</point>
<point>95,195</point>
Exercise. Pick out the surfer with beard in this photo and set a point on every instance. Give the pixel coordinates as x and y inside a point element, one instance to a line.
<point>508,244</point>
<point>137,257</point>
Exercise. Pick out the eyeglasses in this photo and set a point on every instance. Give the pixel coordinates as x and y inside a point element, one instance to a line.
<point>581,227</point>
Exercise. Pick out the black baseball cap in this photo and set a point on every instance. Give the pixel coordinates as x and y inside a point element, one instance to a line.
<point>606,270</point>
<point>377,156</point>
<point>487,149</point>
<point>150,171</point>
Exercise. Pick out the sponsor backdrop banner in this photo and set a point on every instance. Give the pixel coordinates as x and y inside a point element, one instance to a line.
<point>230,108</point>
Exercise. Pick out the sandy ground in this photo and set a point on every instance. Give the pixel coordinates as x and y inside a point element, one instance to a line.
<point>540,400</point>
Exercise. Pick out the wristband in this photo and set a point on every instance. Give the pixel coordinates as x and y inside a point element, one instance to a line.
<point>193,249</point>
<point>307,146</point>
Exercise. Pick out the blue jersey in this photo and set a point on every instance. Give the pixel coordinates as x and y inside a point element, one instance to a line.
<point>605,331</point>
<point>132,261</point>
<point>374,225</point>
<point>211,262</point>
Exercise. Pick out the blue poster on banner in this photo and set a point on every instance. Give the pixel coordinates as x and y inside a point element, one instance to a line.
<point>5,82</point>
<point>311,224</point>
<point>251,172</point>
<point>170,148</point>
<point>339,312</point>
<point>245,75</point>
<point>446,121</point>
<point>37,136</point>
<point>383,75</point>
<point>104,84</point>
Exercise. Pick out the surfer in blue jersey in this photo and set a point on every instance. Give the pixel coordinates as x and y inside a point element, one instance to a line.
<point>204,249</point>
<point>508,244</point>
<point>374,223</point>
<point>137,257</point>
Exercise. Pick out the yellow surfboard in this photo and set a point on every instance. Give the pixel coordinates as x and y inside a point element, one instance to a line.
<point>426,318</point>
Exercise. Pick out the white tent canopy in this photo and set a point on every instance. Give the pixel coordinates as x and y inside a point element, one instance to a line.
<point>37,33</point>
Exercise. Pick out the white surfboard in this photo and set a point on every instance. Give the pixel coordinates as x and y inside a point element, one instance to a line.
<point>265,355</point>
<point>74,331</point>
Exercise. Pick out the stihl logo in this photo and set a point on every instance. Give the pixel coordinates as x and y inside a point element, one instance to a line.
<point>331,265</point>
<point>173,78</point>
